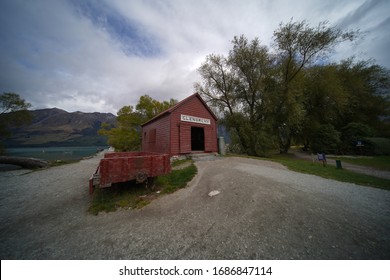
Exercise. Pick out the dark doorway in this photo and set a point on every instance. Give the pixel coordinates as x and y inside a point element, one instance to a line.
<point>197,138</point>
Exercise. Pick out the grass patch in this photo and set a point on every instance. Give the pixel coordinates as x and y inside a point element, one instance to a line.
<point>123,195</point>
<point>381,145</point>
<point>177,179</point>
<point>330,172</point>
<point>130,195</point>
<point>377,162</point>
<point>180,162</point>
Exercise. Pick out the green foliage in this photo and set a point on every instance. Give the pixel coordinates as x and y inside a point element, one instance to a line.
<point>124,195</point>
<point>180,162</point>
<point>265,95</point>
<point>325,139</point>
<point>298,46</point>
<point>354,132</point>
<point>237,87</point>
<point>331,172</point>
<point>11,102</point>
<point>376,162</point>
<point>148,107</point>
<point>367,88</point>
<point>381,145</point>
<point>123,139</point>
<point>253,138</point>
<point>13,112</point>
<point>324,101</point>
<point>177,179</point>
<point>126,135</point>
<point>351,97</point>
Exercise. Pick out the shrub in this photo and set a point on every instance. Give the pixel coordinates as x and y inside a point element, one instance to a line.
<point>325,139</point>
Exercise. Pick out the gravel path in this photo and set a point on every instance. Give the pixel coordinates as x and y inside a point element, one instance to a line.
<point>263,211</point>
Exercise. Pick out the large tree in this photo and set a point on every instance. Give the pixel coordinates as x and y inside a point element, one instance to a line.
<point>238,87</point>
<point>324,101</point>
<point>349,96</point>
<point>260,91</point>
<point>126,135</point>
<point>298,46</point>
<point>368,88</point>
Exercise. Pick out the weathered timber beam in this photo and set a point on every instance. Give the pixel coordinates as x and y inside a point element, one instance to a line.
<point>24,162</point>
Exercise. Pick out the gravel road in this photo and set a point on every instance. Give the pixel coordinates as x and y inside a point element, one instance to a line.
<point>263,211</point>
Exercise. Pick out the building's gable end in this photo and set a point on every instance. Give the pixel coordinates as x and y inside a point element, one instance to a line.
<point>187,127</point>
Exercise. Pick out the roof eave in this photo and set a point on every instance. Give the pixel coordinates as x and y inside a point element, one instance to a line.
<point>174,107</point>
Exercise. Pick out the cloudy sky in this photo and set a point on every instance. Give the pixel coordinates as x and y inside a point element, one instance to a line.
<point>101,55</point>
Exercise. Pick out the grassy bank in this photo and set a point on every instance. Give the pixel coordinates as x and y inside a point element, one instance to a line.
<point>330,172</point>
<point>130,195</point>
<point>377,162</point>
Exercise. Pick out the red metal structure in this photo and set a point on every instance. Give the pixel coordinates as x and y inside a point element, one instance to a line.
<point>187,127</point>
<point>126,166</point>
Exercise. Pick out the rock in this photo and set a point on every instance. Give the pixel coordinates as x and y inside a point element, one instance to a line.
<point>214,193</point>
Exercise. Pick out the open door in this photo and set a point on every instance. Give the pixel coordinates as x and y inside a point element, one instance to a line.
<point>210,139</point>
<point>185,139</point>
<point>197,138</point>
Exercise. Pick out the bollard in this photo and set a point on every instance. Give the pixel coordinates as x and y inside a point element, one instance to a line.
<point>221,146</point>
<point>338,164</point>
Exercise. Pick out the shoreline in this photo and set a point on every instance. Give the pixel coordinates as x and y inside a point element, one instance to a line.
<point>4,167</point>
<point>52,154</point>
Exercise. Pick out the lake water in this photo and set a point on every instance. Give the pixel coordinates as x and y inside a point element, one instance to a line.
<point>55,153</point>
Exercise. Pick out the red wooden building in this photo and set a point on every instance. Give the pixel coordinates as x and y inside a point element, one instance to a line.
<point>187,127</point>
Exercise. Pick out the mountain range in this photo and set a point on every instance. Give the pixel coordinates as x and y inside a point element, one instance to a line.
<point>56,127</point>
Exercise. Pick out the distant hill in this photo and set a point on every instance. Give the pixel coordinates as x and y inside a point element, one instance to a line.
<point>56,127</point>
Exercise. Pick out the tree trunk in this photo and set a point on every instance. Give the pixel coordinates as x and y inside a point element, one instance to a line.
<point>24,162</point>
<point>284,146</point>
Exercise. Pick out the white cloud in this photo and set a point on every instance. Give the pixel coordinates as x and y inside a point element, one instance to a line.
<point>102,55</point>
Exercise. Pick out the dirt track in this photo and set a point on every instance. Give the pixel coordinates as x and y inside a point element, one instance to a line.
<point>263,211</point>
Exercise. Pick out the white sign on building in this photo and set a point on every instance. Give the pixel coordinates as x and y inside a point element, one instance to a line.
<point>193,119</point>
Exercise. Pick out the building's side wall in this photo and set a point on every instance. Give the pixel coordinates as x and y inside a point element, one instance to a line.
<point>180,140</point>
<point>159,143</point>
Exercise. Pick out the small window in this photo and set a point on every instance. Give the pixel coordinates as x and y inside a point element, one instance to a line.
<point>152,136</point>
